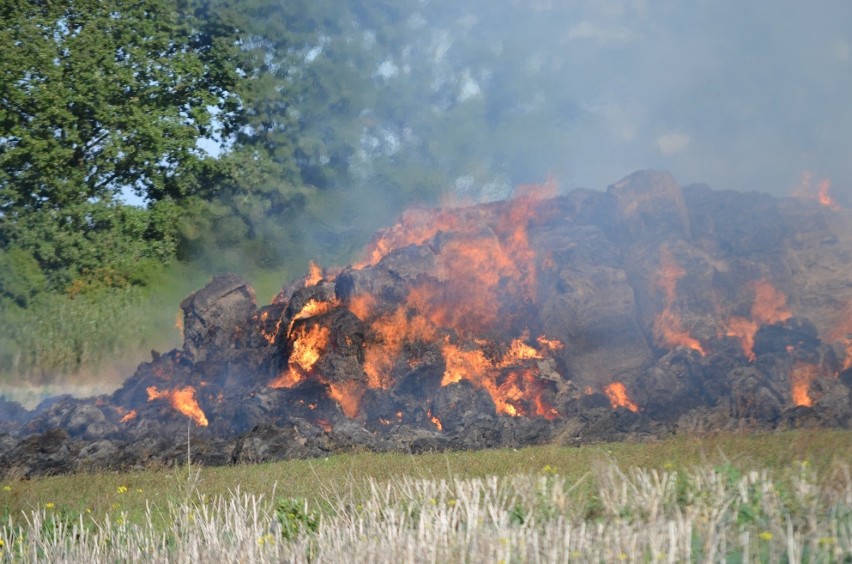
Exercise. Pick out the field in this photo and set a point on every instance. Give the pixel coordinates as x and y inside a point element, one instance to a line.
<point>734,497</point>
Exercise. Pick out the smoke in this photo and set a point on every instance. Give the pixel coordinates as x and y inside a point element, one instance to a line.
<point>429,101</point>
<point>738,96</point>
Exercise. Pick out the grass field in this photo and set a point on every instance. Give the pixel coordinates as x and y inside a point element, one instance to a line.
<point>729,496</point>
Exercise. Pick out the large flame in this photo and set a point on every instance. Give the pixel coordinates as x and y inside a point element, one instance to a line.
<point>183,400</point>
<point>668,327</point>
<point>476,272</point>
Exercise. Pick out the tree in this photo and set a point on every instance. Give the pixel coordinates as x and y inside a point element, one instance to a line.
<point>99,98</point>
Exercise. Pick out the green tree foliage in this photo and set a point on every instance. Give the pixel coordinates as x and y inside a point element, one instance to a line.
<point>97,98</point>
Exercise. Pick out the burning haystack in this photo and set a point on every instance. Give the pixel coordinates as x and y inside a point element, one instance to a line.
<point>637,312</point>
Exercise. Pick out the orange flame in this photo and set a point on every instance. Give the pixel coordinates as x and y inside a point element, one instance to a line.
<point>668,327</point>
<point>435,420</point>
<point>315,274</point>
<point>129,416</point>
<point>324,425</point>
<point>550,344</point>
<point>308,345</point>
<point>511,390</point>
<point>348,396</point>
<point>821,191</point>
<point>617,394</point>
<point>801,377</point>
<point>479,273</point>
<point>391,332</point>
<point>269,335</point>
<point>183,400</point>
<point>179,321</point>
<point>769,306</point>
<point>311,309</point>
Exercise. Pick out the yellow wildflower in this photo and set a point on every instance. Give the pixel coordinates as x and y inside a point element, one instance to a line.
<point>266,539</point>
<point>121,489</point>
<point>765,536</point>
<point>7,488</point>
<point>49,505</point>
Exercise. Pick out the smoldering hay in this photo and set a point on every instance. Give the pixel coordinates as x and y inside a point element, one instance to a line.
<point>642,311</point>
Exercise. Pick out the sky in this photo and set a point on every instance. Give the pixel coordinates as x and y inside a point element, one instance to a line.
<point>743,95</point>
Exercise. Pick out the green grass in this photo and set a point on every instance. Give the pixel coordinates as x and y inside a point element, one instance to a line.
<point>768,497</point>
<point>314,479</point>
<point>90,343</point>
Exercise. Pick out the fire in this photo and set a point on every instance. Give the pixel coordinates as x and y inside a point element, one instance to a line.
<point>347,395</point>
<point>479,275</point>
<point>391,332</point>
<point>617,394</point>
<point>769,306</point>
<point>315,274</point>
<point>362,306</point>
<point>324,425</point>
<point>308,345</point>
<point>435,420</point>
<point>801,377</point>
<point>550,344</point>
<point>511,385</point>
<point>183,400</point>
<point>269,335</point>
<point>287,379</point>
<point>179,321</point>
<point>744,329</point>
<point>129,416</point>
<point>668,327</point>
<point>311,309</point>
<point>821,191</point>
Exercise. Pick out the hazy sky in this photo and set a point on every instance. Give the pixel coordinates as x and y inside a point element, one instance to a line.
<point>745,95</point>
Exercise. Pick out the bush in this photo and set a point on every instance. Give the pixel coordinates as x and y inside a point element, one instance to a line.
<point>21,278</point>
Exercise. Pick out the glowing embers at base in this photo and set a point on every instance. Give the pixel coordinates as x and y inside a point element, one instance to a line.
<point>183,400</point>
<point>617,394</point>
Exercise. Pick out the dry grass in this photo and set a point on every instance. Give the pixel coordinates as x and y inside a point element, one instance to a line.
<point>608,515</point>
<point>736,497</point>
